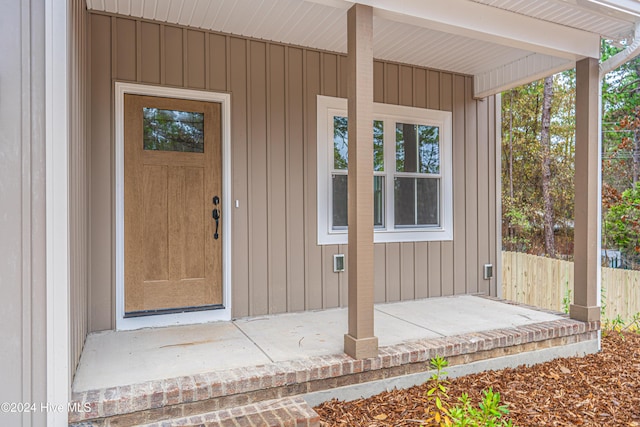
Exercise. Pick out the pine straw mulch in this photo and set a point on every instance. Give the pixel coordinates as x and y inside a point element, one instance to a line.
<point>600,389</point>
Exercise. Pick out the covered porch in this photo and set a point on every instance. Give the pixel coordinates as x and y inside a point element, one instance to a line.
<point>275,262</point>
<point>185,372</point>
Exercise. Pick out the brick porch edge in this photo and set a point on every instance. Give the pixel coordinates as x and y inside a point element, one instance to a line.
<point>191,395</point>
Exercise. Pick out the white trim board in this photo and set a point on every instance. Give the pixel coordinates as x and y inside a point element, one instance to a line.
<point>224,314</point>
<point>56,118</point>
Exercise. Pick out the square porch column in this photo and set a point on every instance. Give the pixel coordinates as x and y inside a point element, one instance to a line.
<point>586,265</point>
<point>360,343</point>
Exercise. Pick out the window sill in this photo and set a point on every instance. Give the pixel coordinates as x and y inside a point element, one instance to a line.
<point>391,236</point>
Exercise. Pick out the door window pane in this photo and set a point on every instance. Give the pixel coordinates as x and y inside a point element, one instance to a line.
<point>341,144</point>
<point>416,201</point>
<point>417,148</point>
<point>340,201</point>
<point>173,130</point>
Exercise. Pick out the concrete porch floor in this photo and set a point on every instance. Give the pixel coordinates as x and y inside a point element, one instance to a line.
<point>118,358</point>
<point>151,374</point>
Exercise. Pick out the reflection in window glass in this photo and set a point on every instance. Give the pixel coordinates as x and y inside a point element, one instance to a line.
<point>173,130</point>
<point>378,201</point>
<point>378,145</point>
<point>417,148</point>
<point>341,144</point>
<point>340,201</point>
<point>416,201</point>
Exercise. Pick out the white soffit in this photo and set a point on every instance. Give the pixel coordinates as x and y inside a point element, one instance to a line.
<point>609,23</point>
<point>502,43</point>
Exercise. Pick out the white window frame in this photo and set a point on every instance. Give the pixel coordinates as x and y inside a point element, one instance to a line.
<point>328,107</point>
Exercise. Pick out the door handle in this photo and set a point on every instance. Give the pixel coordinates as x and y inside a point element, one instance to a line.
<point>216,216</point>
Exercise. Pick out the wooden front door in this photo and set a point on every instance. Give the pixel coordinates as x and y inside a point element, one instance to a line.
<point>172,179</point>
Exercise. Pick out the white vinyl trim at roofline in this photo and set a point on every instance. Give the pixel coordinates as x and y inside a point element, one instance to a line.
<point>514,74</point>
<point>224,314</point>
<point>621,58</point>
<point>56,118</point>
<point>631,7</point>
<point>486,23</point>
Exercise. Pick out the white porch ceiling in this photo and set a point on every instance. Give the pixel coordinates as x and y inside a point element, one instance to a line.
<point>502,43</point>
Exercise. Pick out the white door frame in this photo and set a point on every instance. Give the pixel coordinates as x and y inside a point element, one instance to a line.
<point>224,99</point>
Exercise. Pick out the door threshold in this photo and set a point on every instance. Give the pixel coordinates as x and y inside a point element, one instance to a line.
<point>142,313</point>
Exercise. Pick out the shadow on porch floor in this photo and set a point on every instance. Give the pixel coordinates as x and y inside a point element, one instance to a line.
<point>131,377</point>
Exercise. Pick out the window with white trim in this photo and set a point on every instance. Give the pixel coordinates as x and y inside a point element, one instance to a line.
<point>412,184</point>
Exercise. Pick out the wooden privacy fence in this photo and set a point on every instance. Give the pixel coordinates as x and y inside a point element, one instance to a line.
<point>543,282</point>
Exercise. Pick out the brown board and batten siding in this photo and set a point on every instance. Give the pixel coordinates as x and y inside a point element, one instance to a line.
<point>277,265</point>
<point>78,185</point>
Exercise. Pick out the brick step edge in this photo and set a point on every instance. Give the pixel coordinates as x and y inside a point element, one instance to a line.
<point>285,412</point>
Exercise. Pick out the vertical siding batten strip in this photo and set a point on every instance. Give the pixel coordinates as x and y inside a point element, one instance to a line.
<point>434,248</point>
<point>323,249</point>
<point>446,248</point>
<point>138,50</point>
<point>237,67</point>
<point>185,57</point>
<point>268,181</point>
<point>330,280</point>
<point>312,88</point>
<point>163,56</point>
<point>114,46</point>
<point>249,202</point>
<point>421,249</point>
<point>482,163</point>
<point>459,182</point>
<point>392,261</point>
<point>494,193</point>
<point>296,182</point>
<point>471,191</point>
<point>276,166</point>
<point>100,71</point>
<point>406,253</point>
<point>207,61</point>
<point>227,41</point>
<point>305,155</point>
<point>287,177</point>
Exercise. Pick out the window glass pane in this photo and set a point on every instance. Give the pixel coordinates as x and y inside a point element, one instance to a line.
<point>378,145</point>
<point>428,196</point>
<point>417,148</point>
<point>340,207</point>
<point>339,183</point>
<point>416,201</point>
<point>429,149</point>
<point>341,144</point>
<point>378,201</point>
<point>173,130</point>
<point>406,148</point>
